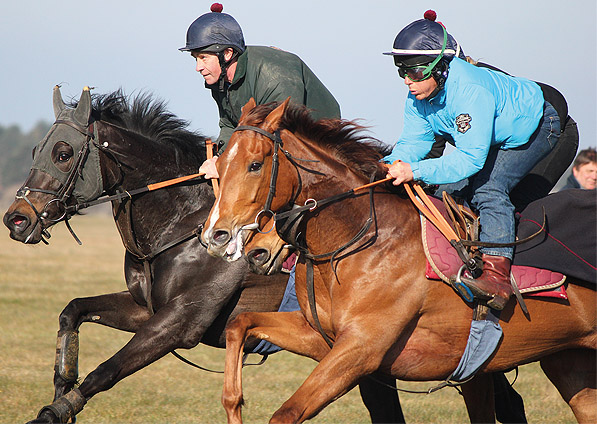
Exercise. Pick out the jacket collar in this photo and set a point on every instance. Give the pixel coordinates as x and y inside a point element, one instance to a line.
<point>241,68</point>
<point>439,98</point>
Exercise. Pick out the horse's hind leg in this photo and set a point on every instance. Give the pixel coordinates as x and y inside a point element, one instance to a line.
<point>479,399</point>
<point>490,396</point>
<point>381,401</point>
<point>574,375</point>
<point>509,406</point>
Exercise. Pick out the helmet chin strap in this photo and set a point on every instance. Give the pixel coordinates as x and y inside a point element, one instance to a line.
<point>224,65</point>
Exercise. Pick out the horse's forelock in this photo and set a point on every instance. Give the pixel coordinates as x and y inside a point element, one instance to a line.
<point>257,115</point>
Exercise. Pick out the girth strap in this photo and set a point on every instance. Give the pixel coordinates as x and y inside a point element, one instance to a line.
<point>312,305</point>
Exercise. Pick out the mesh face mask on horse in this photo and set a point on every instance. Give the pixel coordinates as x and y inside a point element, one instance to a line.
<point>70,157</point>
<point>375,304</point>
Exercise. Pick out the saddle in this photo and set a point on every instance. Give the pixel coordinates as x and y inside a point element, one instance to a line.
<point>443,260</point>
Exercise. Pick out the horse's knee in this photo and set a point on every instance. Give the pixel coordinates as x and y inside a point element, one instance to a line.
<point>69,317</point>
<point>237,328</point>
<point>232,400</point>
<point>584,405</point>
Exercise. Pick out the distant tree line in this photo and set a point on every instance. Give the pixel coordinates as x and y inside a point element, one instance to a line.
<point>15,152</point>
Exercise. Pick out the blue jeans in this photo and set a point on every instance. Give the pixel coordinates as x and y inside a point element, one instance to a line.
<point>488,191</point>
<point>289,304</point>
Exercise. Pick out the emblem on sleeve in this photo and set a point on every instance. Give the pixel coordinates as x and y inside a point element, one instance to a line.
<point>463,122</point>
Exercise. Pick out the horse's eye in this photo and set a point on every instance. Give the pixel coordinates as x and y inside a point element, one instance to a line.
<point>255,166</point>
<point>64,156</point>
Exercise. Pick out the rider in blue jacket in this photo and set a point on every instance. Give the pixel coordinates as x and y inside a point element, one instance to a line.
<point>500,125</point>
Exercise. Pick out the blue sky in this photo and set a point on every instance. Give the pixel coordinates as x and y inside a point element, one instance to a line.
<point>134,45</point>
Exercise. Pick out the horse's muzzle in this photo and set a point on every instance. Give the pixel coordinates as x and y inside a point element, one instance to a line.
<point>22,228</point>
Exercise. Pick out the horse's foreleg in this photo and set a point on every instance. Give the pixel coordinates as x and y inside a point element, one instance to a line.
<point>573,372</point>
<point>350,360</point>
<point>289,330</point>
<point>116,310</point>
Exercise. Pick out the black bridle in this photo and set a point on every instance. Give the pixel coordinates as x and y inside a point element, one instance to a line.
<point>278,146</point>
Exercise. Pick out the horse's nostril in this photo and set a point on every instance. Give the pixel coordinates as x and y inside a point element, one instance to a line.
<point>16,222</point>
<point>221,237</point>
<point>258,256</point>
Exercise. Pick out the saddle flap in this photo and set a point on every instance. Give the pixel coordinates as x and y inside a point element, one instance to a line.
<point>444,262</point>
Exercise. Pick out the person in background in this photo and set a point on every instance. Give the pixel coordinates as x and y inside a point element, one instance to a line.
<point>501,127</point>
<point>584,171</point>
<point>235,73</point>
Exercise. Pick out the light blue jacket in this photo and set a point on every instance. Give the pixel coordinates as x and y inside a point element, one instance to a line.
<point>477,108</point>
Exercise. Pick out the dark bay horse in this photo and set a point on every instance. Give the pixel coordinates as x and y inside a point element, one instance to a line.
<point>177,295</point>
<point>373,300</point>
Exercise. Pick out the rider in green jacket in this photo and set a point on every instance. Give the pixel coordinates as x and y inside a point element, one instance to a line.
<point>234,73</point>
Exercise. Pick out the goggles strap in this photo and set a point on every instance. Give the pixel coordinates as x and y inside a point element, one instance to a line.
<point>430,67</point>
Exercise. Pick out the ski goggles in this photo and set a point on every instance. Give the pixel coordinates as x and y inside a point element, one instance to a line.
<point>415,73</point>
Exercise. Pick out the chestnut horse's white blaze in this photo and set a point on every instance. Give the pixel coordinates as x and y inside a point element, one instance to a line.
<point>234,250</point>
<point>212,219</point>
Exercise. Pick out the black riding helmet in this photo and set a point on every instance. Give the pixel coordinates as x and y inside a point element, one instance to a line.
<point>214,32</point>
<point>426,43</point>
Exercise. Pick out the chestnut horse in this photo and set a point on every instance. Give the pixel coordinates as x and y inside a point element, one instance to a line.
<point>373,301</point>
<point>178,295</point>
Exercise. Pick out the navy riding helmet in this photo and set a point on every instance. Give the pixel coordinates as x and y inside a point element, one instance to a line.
<point>426,44</point>
<point>420,43</point>
<point>214,32</point>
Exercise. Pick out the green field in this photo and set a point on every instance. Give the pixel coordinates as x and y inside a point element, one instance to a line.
<point>36,283</point>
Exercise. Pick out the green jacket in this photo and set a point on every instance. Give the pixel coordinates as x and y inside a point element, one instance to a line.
<point>268,74</point>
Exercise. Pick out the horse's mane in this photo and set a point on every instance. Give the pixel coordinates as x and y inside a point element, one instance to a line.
<point>346,139</point>
<point>147,116</point>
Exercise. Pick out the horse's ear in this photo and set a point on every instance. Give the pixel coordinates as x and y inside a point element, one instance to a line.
<point>247,108</point>
<point>59,105</point>
<point>272,121</point>
<point>83,110</point>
